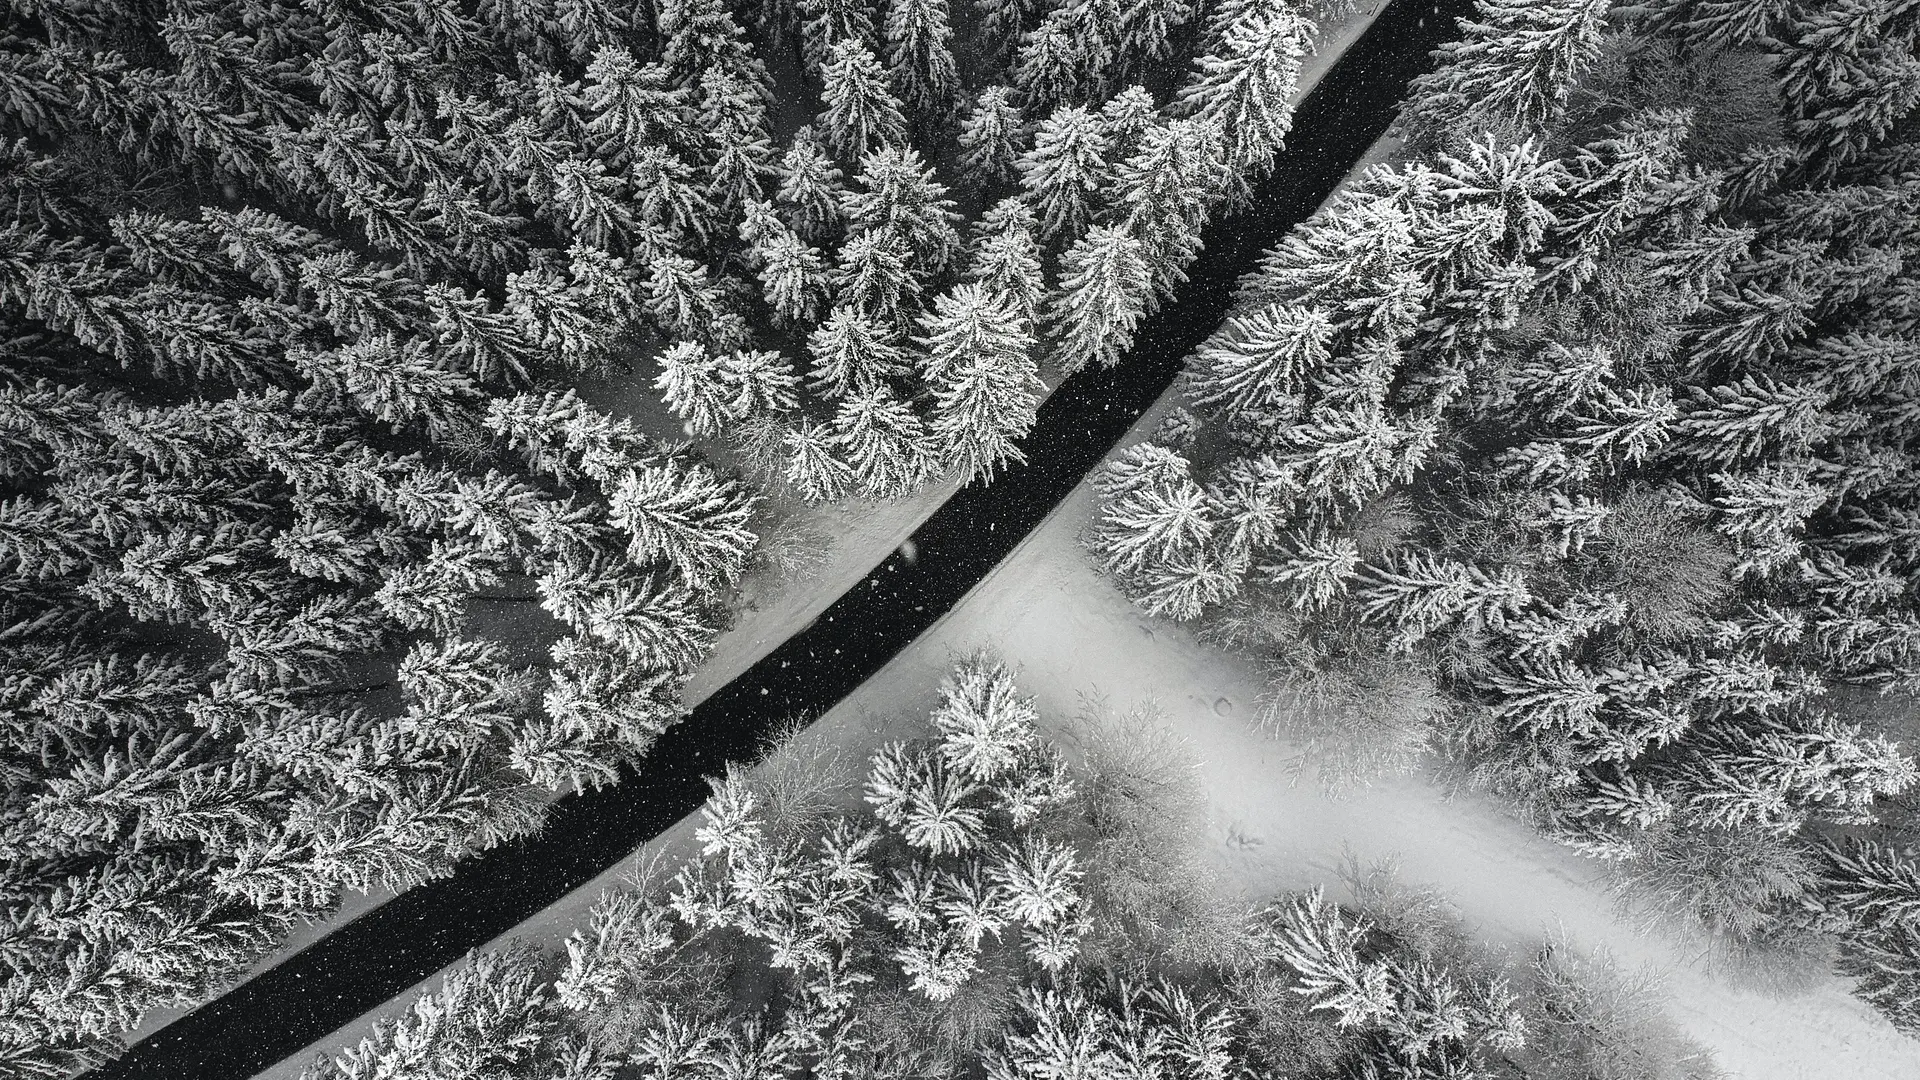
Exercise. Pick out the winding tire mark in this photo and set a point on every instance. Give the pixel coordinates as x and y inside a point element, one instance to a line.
<point>381,954</point>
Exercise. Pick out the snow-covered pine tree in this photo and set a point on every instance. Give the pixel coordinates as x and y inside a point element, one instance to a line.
<point>1072,55</point>
<point>665,192</point>
<point>686,303</point>
<point>498,1008</point>
<point>1262,362</point>
<point>990,138</point>
<point>812,468</point>
<point>1048,69</point>
<point>1164,193</point>
<point>875,276</point>
<point>830,22</point>
<point>861,110</point>
<point>1155,515</point>
<point>1002,22</point>
<point>986,386</point>
<point>1753,418</point>
<point>1769,772</point>
<point>1065,171</point>
<point>793,277</point>
<point>1849,77</point>
<point>701,36</point>
<point>1871,884</point>
<point>852,352</point>
<point>1105,284</point>
<point>629,105</point>
<point>810,186</point>
<point>921,61</point>
<point>1006,258</point>
<point>1718,24</point>
<point>555,316</point>
<point>1243,88</point>
<point>484,342</point>
<point>898,193</point>
<point>693,384</point>
<point>1511,70</point>
<point>1148,30</point>
<point>968,321</point>
<point>394,382</point>
<point>735,121</point>
<point>883,440</point>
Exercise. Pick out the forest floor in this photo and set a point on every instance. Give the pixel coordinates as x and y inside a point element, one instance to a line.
<point>833,545</point>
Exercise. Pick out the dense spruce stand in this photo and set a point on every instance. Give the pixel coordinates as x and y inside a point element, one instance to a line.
<point>1568,454</point>
<point>1577,451</point>
<point>379,954</point>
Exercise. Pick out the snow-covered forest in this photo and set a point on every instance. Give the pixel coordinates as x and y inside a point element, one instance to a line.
<point>1570,454</point>
<point>294,293</point>
<point>975,903</point>
<point>1573,452</point>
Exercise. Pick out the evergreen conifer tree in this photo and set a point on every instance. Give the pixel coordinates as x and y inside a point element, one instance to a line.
<point>683,512</point>
<point>990,139</point>
<point>861,110</point>
<point>1105,282</point>
<point>809,186</point>
<point>1003,21</point>
<point>1065,171</point>
<point>812,468</point>
<point>985,382</point>
<point>792,276</point>
<point>898,194</point>
<point>1512,69</point>
<point>924,75</point>
<point>1849,77</point>
<point>1164,194</point>
<point>830,22</point>
<point>875,276</point>
<point>852,352</point>
<point>883,440</point>
<point>1007,261</point>
<point>1244,86</point>
<point>1263,361</point>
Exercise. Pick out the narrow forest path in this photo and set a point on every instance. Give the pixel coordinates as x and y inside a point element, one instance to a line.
<point>379,947</point>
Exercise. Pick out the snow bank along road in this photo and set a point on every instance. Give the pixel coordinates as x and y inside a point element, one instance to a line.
<point>390,948</point>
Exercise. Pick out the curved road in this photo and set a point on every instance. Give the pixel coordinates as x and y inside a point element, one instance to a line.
<point>392,947</point>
